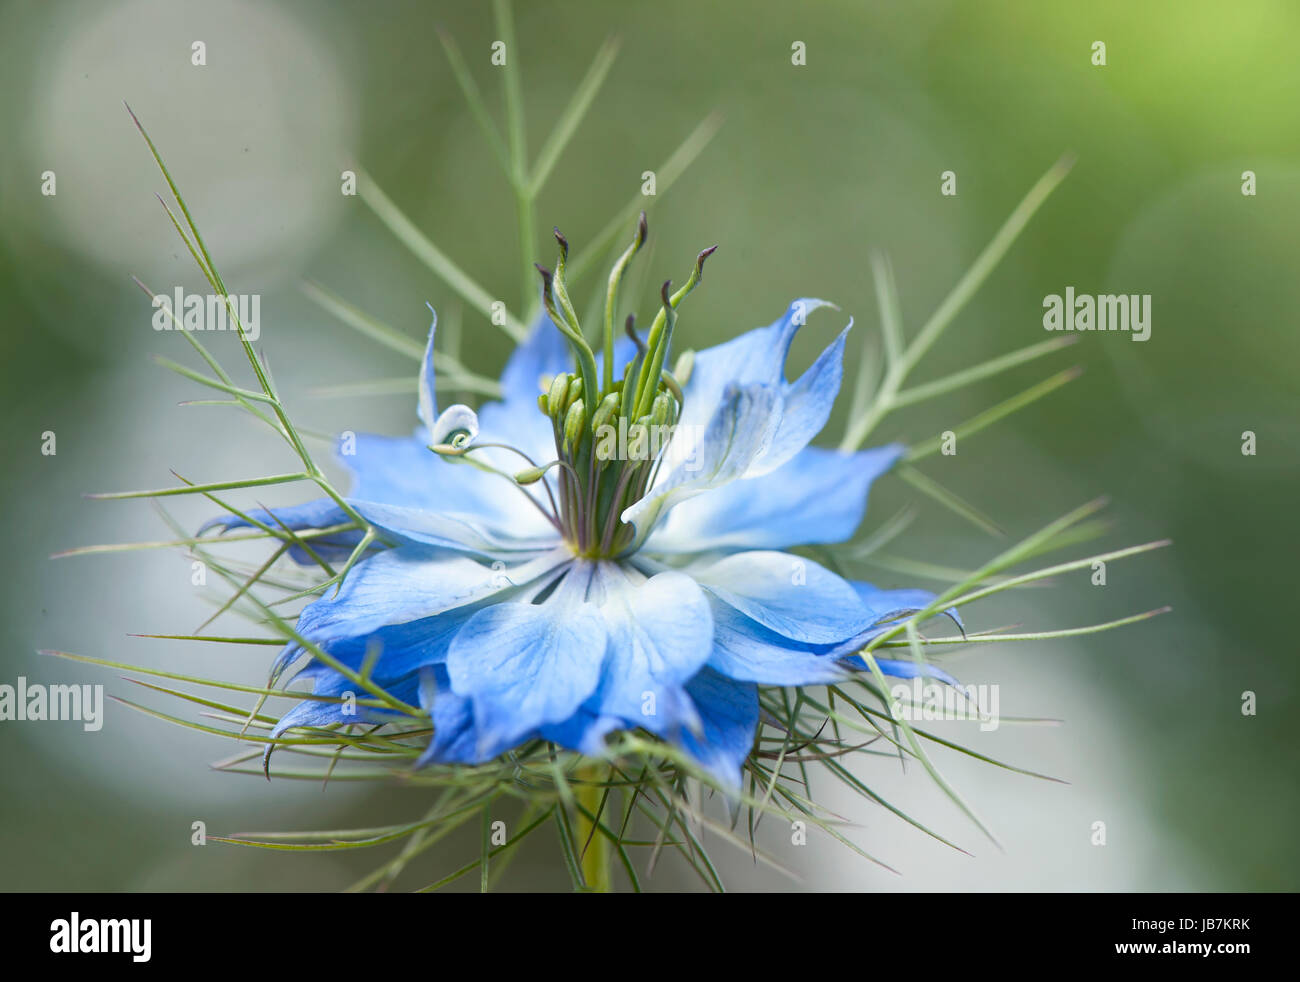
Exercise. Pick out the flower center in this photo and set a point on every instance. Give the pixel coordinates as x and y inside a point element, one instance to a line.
<point>611,436</point>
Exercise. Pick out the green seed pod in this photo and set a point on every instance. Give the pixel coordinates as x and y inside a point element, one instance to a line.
<point>530,475</point>
<point>605,412</point>
<point>574,422</point>
<point>660,409</point>
<point>557,399</point>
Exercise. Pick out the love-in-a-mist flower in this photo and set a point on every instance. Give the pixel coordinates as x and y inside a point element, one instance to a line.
<point>601,551</point>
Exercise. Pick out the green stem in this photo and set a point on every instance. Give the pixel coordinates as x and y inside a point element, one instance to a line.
<point>595,858</point>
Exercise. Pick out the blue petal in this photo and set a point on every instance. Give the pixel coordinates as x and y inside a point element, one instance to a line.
<point>740,417</point>
<point>758,358</point>
<point>526,665</point>
<point>449,530</point>
<point>806,407</point>
<point>397,649</point>
<point>328,682</point>
<point>313,514</point>
<point>480,509</point>
<point>906,669</point>
<point>746,651</point>
<point>735,436</point>
<point>729,716</point>
<point>410,583</point>
<point>755,357</point>
<point>584,732</point>
<point>792,596</point>
<point>889,605</point>
<point>455,738</point>
<point>819,496</point>
<point>660,633</point>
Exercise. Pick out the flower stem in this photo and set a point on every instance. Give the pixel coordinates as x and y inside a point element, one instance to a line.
<point>595,856</point>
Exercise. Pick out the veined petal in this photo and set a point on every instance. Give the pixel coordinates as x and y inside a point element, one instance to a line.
<point>318,514</point>
<point>410,583</point>
<point>454,531</point>
<point>660,633</point>
<point>729,717</point>
<point>806,407</point>
<point>792,596</point>
<point>401,472</point>
<point>526,665</point>
<point>735,437</point>
<point>817,497</point>
<point>889,605</point>
<point>755,357</point>
<point>746,651</point>
<point>740,417</point>
<point>397,649</point>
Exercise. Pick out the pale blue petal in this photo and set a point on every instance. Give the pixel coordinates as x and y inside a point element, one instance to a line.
<point>411,583</point>
<point>311,515</point>
<point>818,497</point>
<point>806,407</point>
<point>399,649</point>
<point>735,436</point>
<point>792,596</point>
<point>755,357</point>
<point>480,509</point>
<point>455,531</point>
<point>746,651</point>
<point>526,665</point>
<point>455,738</point>
<point>660,634</point>
<point>740,417</point>
<point>889,605</point>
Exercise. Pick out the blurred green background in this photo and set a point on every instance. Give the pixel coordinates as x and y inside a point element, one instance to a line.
<point>813,166</point>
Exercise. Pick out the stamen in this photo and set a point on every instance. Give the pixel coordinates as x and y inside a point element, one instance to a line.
<point>594,485</point>
<point>552,516</point>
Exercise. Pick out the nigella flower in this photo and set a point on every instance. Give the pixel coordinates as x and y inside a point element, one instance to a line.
<point>593,554</point>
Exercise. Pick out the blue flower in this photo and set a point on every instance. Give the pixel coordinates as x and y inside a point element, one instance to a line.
<point>534,585</point>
